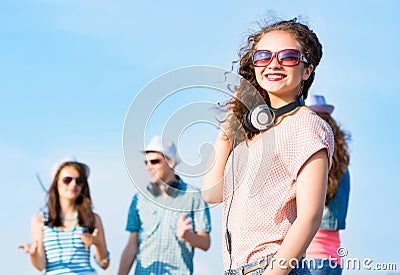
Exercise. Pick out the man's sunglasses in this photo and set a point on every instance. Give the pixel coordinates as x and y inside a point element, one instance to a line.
<point>68,180</point>
<point>287,58</point>
<point>152,161</point>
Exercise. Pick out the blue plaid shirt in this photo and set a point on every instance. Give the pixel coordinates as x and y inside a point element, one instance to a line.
<point>159,250</point>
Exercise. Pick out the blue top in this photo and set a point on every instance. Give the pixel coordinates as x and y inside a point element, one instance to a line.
<point>65,252</point>
<point>159,249</point>
<point>334,216</point>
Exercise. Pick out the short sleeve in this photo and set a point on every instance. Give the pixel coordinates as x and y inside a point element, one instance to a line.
<point>310,135</point>
<point>202,219</point>
<point>133,223</point>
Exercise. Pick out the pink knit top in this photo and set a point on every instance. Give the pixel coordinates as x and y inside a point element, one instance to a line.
<point>325,246</point>
<point>264,182</point>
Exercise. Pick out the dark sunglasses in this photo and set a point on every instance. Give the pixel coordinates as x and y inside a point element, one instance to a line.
<point>152,161</point>
<point>68,180</point>
<point>287,58</point>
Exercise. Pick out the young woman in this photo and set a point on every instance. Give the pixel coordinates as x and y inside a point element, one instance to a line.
<point>272,182</point>
<point>62,235</point>
<point>324,247</point>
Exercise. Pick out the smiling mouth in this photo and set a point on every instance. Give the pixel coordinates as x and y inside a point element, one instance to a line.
<point>275,77</point>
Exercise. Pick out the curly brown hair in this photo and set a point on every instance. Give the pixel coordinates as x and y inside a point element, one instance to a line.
<point>83,203</point>
<point>341,156</point>
<point>238,106</point>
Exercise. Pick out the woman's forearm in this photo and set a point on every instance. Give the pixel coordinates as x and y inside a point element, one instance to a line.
<point>38,261</point>
<point>213,181</point>
<point>294,245</point>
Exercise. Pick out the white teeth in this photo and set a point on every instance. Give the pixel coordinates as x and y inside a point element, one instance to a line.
<point>274,77</point>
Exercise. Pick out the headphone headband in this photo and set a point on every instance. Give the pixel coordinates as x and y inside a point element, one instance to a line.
<point>289,107</point>
<point>263,117</point>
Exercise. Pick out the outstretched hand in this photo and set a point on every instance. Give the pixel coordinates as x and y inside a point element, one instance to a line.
<point>89,239</point>
<point>29,248</point>
<point>183,226</point>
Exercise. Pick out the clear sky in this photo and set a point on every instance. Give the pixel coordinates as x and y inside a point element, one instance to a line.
<point>69,71</point>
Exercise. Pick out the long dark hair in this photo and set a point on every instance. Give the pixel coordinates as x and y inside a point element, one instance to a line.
<point>341,157</point>
<point>311,48</point>
<point>83,202</point>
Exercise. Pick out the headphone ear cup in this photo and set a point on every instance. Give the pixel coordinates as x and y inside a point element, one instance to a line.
<point>247,123</point>
<point>153,189</point>
<point>172,188</point>
<point>260,118</point>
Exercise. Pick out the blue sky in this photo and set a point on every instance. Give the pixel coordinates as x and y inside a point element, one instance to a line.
<point>69,71</point>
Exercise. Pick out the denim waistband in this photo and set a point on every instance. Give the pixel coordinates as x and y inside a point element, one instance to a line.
<point>252,268</point>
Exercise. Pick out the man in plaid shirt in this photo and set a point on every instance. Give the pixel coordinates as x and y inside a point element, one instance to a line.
<point>166,221</point>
